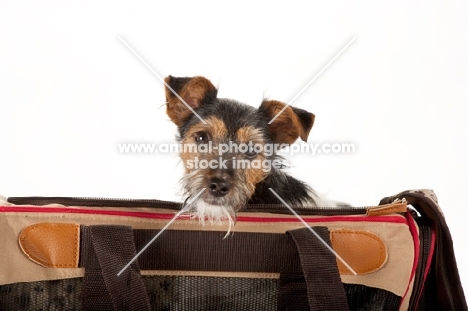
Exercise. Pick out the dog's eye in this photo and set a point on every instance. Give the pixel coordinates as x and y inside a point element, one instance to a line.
<point>201,137</point>
<point>251,151</point>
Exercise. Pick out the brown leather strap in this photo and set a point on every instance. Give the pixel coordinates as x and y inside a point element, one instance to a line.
<point>106,250</point>
<point>324,288</point>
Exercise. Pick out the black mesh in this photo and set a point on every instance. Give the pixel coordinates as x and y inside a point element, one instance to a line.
<point>42,296</point>
<point>165,293</point>
<point>191,293</point>
<point>211,293</point>
<point>366,298</point>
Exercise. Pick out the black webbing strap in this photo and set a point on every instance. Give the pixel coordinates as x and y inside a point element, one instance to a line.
<point>309,278</point>
<point>105,251</point>
<point>208,251</point>
<point>324,288</point>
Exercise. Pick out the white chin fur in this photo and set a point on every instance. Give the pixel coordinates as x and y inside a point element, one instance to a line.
<point>215,214</point>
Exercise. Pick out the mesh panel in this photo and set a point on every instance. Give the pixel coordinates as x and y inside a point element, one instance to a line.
<point>361,297</point>
<point>211,293</point>
<point>189,293</point>
<point>42,296</point>
<point>165,293</point>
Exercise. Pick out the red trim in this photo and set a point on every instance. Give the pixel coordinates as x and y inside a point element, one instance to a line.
<point>69,210</point>
<point>416,243</point>
<point>363,218</point>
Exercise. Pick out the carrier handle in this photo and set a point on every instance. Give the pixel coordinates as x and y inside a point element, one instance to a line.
<point>111,248</point>
<point>325,290</point>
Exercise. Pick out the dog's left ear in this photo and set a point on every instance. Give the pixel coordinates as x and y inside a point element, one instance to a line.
<point>290,124</point>
<point>193,91</point>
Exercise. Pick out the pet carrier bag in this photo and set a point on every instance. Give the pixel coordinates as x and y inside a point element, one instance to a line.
<point>81,254</point>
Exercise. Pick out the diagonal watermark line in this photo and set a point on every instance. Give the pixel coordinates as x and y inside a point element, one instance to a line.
<point>160,232</point>
<point>313,79</point>
<point>160,79</point>
<point>313,231</point>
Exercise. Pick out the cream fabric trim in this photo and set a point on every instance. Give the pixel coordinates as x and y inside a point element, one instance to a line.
<point>16,267</point>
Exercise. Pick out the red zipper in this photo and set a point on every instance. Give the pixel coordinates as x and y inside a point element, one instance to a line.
<point>168,216</point>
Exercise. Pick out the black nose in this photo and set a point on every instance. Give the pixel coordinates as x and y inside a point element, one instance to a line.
<point>219,187</point>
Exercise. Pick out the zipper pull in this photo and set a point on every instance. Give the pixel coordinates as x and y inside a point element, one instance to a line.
<point>411,208</point>
<point>398,206</point>
<point>414,212</point>
<point>402,200</point>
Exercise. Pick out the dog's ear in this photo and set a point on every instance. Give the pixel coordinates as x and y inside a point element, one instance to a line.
<point>290,124</point>
<point>193,91</point>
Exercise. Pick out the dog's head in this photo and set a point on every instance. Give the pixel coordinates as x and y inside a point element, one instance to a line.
<point>227,147</point>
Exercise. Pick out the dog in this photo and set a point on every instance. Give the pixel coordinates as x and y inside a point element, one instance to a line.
<point>208,124</point>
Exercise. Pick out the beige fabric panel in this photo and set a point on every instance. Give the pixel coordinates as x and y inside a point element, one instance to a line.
<point>394,276</point>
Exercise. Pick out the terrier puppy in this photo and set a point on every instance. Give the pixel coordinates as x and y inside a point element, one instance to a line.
<point>229,149</point>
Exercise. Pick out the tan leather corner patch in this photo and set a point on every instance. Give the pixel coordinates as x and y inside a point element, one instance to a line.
<point>363,251</point>
<point>52,244</point>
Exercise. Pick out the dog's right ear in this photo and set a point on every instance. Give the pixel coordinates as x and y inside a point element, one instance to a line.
<point>193,92</point>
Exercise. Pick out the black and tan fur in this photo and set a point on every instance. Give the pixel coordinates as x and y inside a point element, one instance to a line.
<point>228,189</point>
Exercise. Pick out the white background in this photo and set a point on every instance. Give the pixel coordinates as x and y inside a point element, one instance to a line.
<point>70,91</point>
